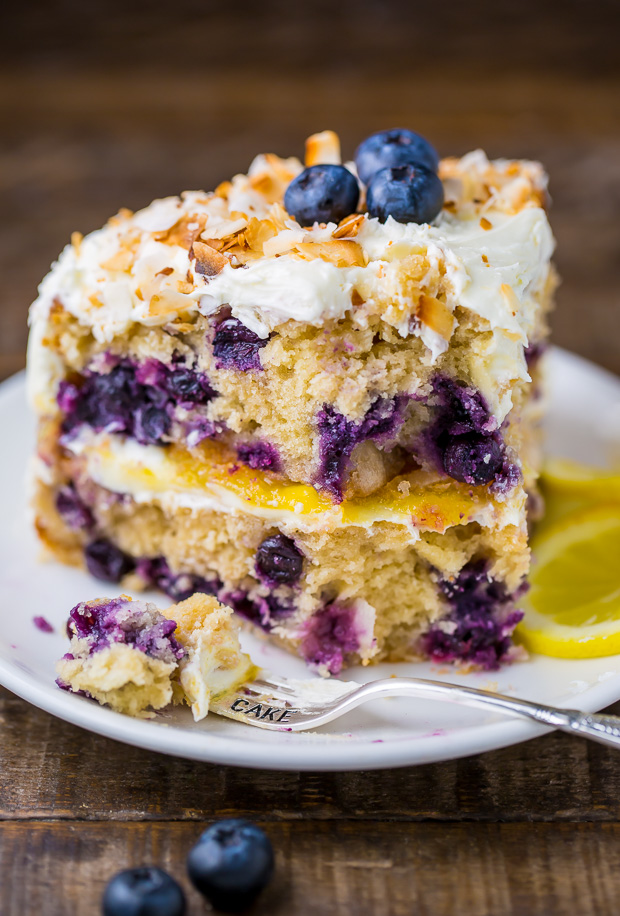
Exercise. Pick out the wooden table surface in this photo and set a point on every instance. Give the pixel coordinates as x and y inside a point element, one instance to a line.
<point>105,105</point>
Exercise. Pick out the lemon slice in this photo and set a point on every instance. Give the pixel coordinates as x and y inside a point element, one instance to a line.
<point>572,609</point>
<point>571,478</point>
<point>569,487</point>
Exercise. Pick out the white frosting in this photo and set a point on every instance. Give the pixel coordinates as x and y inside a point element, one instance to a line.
<point>273,290</point>
<point>205,672</point>
<point>123,274</point>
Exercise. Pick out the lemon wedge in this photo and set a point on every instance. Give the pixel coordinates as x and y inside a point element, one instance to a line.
<point>572,609</point>
<point>569,487</point>
<point>573,479</point>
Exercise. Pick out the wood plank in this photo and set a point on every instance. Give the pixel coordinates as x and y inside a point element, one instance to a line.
<point>335,868</point>
<point>189,36</point>
<point>87,144</point>
<point>60,771</point>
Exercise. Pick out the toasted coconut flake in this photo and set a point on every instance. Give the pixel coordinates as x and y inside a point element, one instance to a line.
<point>76,241</point>
<point>270,176</point>
<point>122,260</point>
<point>485,224</point>
<point>184,231</point>
<point>258,232</point>
<point>510,298</point>
<point>356,298</point>
<point>208,261</point>
<point>159,306</point>
<point>284,241</point>
<point>223,189</point>
<point>435,315</point>
<point>267,185</point>
<point>240,256</point>
<point>217,244</point>
<point>165,272</point>
<point>349,226</point>
<point>341,252</point>
<point>178,326</point>
<point>323,148</point>
<point>123,214</point>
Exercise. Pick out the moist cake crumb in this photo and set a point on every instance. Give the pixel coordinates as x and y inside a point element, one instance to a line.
<point>129,655</point>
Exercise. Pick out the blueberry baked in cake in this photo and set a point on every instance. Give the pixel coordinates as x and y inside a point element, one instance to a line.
<point>135,658</point>
<point>313,393</point>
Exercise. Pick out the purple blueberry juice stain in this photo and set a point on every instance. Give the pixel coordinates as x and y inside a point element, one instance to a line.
<point>196,431</point>
<point>534,352</point>
<point>329,636</point>
<point>507,477</point>
<point>479,628</point>
<point>462,410</point>
<point>42,624</point>
<point>178,586</point>
<point>73,511</point>
<point>137,400</point>
<point>339,436</point>
<point>260,456</point>
<point>237,347</point>
<point>463,439</point>
<point>132,623</point>
<point>107,562</point>
<point>263,611</point>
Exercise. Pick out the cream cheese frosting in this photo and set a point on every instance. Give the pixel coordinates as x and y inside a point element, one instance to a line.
<point>140,268</point>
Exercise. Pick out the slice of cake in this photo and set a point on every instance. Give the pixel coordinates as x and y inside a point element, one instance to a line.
<point>314,393</point>
<point>133,657</point>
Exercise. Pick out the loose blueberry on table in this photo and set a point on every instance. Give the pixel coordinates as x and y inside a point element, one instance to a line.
<point>393,149</point>
<point>145,891</point>
<point>231,864</point>
<point>322,194</point>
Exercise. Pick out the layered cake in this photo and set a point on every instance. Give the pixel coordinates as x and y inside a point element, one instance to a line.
<point>135,658</point>
<point>313,393</point>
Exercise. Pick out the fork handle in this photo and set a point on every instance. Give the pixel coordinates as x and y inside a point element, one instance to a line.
<point>598,727</point>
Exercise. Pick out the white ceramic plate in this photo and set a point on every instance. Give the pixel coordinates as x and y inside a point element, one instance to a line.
<point>584,423</point>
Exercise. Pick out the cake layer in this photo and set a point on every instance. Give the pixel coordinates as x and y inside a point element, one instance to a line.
<point>334,592</point>
<point>338,356</point>
<point>428,420</point>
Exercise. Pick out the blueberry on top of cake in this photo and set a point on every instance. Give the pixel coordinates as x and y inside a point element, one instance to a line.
<point>310,393</point>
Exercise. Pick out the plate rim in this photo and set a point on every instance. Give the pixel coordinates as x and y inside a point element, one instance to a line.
<point>316,751</point>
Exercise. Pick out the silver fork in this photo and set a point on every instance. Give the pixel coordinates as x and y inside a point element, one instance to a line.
<point>282,704</point>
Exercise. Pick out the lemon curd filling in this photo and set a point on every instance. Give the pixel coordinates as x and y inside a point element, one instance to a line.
<point>209,476</point>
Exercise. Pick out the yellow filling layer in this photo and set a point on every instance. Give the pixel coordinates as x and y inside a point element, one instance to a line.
<point>419,499</point>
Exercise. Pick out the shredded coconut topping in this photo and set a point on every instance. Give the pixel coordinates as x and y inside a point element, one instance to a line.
<point>488,251</point>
